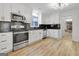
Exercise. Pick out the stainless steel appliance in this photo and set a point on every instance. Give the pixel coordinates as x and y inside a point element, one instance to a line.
<point>17,17</point>
<point>28,26</point>
<point>17,22</point>
<point>5,26</point>
<point>44,33</point>
<point>20,35</point>
<point>20,39</point>
<point>18,26</point>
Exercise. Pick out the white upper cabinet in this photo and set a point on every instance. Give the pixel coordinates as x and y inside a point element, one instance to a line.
<point>1,11</point>
<point>23,10</point>
<point>5,10</point>
<point>18,8</point>
<point>51,19</point>
<point>28,14</point>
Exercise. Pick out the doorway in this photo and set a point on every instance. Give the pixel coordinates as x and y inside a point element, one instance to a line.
<point>68,27</point>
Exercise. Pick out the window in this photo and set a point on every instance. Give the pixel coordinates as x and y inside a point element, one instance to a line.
<point>34,21</point>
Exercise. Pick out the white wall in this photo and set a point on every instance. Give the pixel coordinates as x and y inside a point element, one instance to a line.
<point>40,17</point>
<point>74,15</point>
<point>65,15</point>
<point>75,34</point>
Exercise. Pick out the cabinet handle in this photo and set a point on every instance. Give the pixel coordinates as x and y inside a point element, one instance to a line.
<point>3,35</point>
<point>4,41</point>
<point>3,48</point>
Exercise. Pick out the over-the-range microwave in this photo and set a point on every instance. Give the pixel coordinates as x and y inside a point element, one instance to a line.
<point>17,17</point>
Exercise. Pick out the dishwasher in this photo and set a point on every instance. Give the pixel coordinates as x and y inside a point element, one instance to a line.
<point>44,33</point>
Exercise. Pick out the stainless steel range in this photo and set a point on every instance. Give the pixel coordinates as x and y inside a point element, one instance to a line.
<point>20,39</point>
<point>20,35</point>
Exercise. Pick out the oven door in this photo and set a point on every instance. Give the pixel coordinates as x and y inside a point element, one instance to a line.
<point>20,36</point>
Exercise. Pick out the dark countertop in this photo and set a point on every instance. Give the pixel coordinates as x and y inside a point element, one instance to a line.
<point>31,29</point>
<point>35,29</point>
<point>5,32</point>
<point>42,29</point>
<point>55,29</point>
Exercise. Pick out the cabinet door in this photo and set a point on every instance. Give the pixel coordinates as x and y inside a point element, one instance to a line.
<point>18,8</point>
<point>49,33</point>
<point>41,34</point>
<point>6,42</point>
<point>1,12</point>
<point>38,34</point>
<point>32,37</point>
<point>56,33</point>
<point>28,14</point>
<point>5,48</point>
<point>7,12</point>
<point>22,10</point>
<point>15,8</point>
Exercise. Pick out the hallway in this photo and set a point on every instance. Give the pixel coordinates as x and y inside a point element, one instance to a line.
<point>50,47</point>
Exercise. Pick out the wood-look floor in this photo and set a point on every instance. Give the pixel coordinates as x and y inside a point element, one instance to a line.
<point>50,47</point>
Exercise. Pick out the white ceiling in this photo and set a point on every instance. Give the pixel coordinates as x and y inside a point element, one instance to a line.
<point>46,10</point>
<point>42,6</point>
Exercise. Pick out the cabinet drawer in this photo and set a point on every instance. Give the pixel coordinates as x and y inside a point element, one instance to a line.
<point>9,39</point>
<point>6,41</point>
<point>5,36</point>
<point>5,47</point>
<point>3,41</point>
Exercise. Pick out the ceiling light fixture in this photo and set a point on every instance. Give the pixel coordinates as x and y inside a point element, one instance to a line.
<point>58,5</point>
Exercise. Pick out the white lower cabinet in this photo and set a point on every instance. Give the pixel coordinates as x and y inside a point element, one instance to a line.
<point>35,35</point>
<point>6,42</point>
<point>50,33</point>
<point>53,33</point>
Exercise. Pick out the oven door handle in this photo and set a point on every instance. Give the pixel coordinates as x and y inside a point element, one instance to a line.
<point>20,32</point>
